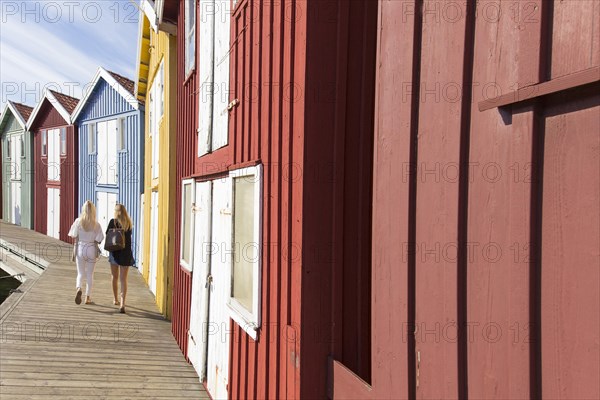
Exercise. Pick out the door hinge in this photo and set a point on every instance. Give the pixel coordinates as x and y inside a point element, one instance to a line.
<point>234,103</point>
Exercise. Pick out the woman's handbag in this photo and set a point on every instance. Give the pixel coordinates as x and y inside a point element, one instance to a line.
<point>115,240</point>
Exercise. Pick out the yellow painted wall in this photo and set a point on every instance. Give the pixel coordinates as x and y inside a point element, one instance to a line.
<point>160,46</point>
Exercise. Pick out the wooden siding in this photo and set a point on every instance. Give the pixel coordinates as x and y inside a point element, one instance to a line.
<point>163,49</point>
<point>106,104</point>
<point>485,224</point>
<point>49,118</point>
<point>187,149</point>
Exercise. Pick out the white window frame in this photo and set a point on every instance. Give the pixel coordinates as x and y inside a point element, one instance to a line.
<point>22,140</point>
<point>92,129</point>
<point>190,36</point>
<point>121,134</point>
<point>248,321</point>
<point>45,143</point>
<point>63,141</point>
<point>188,266</point>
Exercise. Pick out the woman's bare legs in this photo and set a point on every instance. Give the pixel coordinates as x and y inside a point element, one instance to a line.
<point>123,271</point>
<point>114,271</point>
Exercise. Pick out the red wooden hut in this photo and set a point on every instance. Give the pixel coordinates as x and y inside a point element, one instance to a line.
<point>55,159</point>
<point>403,205</point>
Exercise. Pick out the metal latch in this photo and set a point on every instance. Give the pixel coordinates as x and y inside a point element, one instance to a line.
<point>209,280</point>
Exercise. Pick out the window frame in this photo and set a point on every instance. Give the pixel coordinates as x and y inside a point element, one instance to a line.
<point>45,143</point>
<point>249,321</point>
<point>62,132</point>
<point>190,38</point>
<point>22,140</point>
<point>188,266</point>
<point>121,135</point>
<point>92,131</point>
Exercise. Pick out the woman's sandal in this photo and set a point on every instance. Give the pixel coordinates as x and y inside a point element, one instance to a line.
<point>122,310</point>
<point>116,303</point>
<point>88,301</point>
<point>78,296</point>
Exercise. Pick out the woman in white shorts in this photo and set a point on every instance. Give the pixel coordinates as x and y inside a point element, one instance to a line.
<point>88,235</point>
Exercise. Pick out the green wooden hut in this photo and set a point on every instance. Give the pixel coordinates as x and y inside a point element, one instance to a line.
<point>17,165</point>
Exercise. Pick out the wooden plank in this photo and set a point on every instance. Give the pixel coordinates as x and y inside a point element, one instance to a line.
<point>570,237</point>
<point>531,92</point>
<point>499,216</point>
<point>46,351</point>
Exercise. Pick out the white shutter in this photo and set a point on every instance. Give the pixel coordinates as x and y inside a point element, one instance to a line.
<point>206,76</point>
<point>102,158</point>
<point>221,74</point>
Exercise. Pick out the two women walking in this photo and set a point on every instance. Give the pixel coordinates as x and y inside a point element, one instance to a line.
<point>88,236</point>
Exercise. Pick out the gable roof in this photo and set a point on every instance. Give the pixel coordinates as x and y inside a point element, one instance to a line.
<point>122,85</point>
<point>61,102</point>
<point>21,112</point>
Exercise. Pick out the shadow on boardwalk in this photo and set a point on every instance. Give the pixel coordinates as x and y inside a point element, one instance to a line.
<point>52,348</point>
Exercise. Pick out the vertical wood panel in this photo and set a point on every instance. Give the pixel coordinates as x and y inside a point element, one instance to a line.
<point>500,214</point>
<point>570,240</point>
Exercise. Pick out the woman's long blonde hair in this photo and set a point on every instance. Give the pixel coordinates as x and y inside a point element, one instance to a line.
<point>122,217</point>
<point>87,218</point>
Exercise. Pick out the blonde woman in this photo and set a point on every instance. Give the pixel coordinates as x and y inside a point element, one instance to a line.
<point>88,234</point>
<point>121,260</point>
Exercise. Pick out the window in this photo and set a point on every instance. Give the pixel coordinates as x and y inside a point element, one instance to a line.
<point>187,223</point>
<point>22,142</point>
<point>245,268</point>
<point>63,141</point>
<point>44,143</point>
<point>8,147</point>
<point>190,36</point>
<point>91,138</point>
<point>121,134</point>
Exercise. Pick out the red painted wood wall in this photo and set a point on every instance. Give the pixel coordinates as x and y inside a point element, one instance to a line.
<point>50,118</point>
<point>485,219</point>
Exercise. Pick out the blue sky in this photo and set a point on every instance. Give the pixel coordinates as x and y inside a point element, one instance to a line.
<point>60,44</point>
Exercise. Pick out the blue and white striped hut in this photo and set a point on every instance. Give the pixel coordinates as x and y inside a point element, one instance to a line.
<point>110,124</point>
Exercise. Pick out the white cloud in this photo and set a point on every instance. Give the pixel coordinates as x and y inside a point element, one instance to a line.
<point>37,49</point>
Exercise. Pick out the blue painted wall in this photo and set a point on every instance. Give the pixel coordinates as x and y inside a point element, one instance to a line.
<point>105,104</point>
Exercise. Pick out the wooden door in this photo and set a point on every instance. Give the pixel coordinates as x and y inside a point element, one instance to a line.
<point>16,210</point>
<point>197,336</point>
<point>219,290</point>
<point>105,206</point>
<point>53,212</point>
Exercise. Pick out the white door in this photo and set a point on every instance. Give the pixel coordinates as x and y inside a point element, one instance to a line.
<point>218,313</point>
<point>153,242</point>
<point>112,163</point>
<point>53,221</point>
<point>105,206</point>
<point>53,154</point>
<point>16,211</point>
<point>199,306</point>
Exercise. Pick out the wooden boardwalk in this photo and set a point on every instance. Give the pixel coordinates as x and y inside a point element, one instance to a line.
<point>52,348</point>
